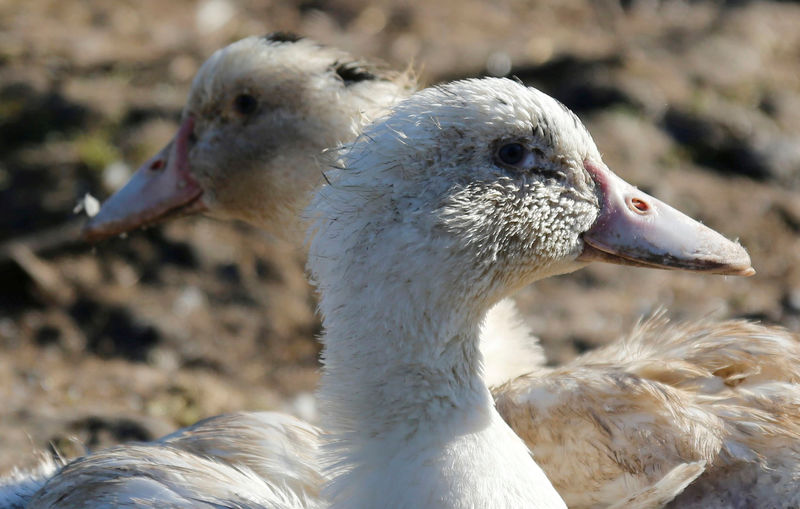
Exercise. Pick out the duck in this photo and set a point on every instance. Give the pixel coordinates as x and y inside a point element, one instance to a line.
<point>461,195</point>
<point>621,475</point>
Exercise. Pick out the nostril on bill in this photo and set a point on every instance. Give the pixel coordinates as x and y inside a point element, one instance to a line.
<point>638,205</point>
<point>157,165</point>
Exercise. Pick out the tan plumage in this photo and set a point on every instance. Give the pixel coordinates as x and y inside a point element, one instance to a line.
<point>723,394</point>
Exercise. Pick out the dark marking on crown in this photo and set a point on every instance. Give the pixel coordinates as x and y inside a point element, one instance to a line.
<point>352,72</point>
<point>282,37</point>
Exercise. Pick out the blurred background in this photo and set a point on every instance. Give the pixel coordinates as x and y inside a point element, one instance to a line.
<point>698,103</point>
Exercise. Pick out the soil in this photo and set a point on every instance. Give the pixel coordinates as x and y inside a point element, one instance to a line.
<point>698,103</point>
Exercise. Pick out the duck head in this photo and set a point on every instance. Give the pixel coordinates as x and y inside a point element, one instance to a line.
<point>491,176</point>
<point>260,112</point>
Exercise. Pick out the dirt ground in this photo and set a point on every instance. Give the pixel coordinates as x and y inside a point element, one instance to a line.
<point>696,102</point>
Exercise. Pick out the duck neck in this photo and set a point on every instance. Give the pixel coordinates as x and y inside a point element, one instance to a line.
<point>406,406</point>
<point>426,365</point>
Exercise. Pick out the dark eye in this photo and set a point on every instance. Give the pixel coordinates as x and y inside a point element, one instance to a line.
<point>245,104</point>
<point>511,153</point>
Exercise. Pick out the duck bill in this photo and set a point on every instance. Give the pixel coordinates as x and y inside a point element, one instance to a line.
<point>633,228</point>
<point>162,187</point>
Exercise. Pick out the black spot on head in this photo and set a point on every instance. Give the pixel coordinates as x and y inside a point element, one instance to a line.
<point>282,37</point>
<point>351,72</point>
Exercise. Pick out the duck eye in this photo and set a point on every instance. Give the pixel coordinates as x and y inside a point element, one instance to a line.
<point>511,153</point>
<point>245,104</point>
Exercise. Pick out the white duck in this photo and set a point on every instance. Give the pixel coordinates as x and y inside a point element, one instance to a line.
<point>624,467</point>
<point>465,193</point>
<point>693,394</point>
